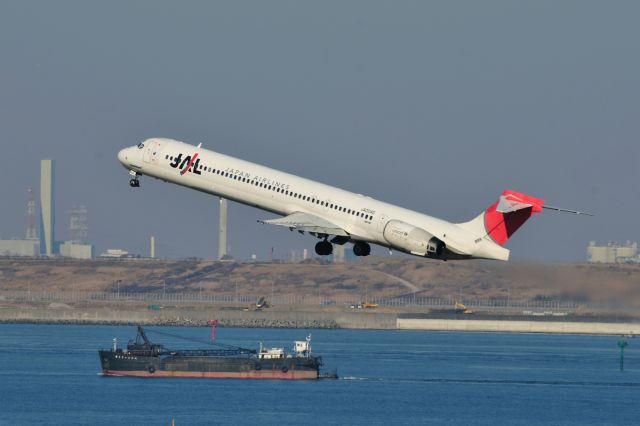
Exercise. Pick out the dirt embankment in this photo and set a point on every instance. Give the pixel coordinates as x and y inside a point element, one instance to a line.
<point>372,277</point>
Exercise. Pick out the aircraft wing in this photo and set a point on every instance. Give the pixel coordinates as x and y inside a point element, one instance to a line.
<point>307,222</point>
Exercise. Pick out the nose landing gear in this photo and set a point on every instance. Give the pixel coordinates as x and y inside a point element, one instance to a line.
<point>134,183</point>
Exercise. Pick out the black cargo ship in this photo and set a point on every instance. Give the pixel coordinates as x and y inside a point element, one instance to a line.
<point>142,358</point>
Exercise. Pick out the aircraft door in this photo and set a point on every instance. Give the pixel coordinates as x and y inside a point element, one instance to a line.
<point>151,151</point>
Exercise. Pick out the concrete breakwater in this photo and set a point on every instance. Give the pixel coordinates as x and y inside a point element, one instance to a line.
<point>560,327</point>
<point>201,317</point>
<point>292,318</point>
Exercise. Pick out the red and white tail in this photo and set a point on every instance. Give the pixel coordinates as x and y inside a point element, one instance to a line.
<point>504,217</point>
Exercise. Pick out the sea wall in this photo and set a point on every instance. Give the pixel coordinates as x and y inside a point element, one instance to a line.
<point>569,327</point>
<point>195,316</point>
<point>292,318</point>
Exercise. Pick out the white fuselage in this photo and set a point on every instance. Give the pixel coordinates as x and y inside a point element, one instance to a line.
<point>362,217</point>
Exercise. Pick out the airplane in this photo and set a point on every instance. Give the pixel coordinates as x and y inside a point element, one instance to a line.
<point>333,215</point>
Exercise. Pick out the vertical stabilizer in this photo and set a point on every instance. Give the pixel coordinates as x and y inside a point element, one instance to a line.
<point>504,217</point>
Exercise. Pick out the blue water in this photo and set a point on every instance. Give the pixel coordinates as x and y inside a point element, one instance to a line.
<point>49,375</point>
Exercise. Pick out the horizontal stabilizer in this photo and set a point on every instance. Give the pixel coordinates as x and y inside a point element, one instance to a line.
<point>512,202</point>
<point>301,221</point>
<point>558,209</point>
<point>503,218</point>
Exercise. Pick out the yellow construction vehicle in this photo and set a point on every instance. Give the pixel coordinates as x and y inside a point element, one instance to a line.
<point>461,308</point>
<point>364,305</point>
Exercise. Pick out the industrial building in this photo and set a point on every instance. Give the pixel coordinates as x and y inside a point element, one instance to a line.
<point>613,252</point>
<point>14,248</point>
<point>117,254</point>
<point>75,247</point>
<point>30,246</point>
<point>76,251</point>
<point>78,224</point>
<point>47,245</point>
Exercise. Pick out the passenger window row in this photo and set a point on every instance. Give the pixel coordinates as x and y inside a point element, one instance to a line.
<point>296,195</point>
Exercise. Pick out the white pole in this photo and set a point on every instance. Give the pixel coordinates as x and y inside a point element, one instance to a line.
<point>222,230</point>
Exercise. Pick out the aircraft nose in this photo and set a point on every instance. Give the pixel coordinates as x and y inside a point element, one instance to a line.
<point>122,155</point>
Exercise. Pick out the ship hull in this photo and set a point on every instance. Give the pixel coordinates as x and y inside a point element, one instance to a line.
<point>119,363</point>
<point>269,375</point>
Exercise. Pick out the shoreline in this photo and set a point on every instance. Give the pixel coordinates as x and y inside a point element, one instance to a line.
<point>319,319</point>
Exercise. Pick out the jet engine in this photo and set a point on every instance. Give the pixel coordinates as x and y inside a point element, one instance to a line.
<point>412,239</point>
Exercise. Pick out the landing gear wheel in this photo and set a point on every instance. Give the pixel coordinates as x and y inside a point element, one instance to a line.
<point>324,248</point>
<point>134,183</point>
<point>361,249</point>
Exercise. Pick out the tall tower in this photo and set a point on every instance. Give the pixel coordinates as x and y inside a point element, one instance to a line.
<point>152,247</point>
<point>31,216</point>
<point>47,207</point>
<point>222,230</point>
<point>78,224</point>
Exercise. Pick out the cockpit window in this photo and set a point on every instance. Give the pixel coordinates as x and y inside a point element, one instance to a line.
<point>141,145</point>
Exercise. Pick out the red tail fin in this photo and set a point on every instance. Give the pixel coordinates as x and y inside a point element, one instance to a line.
<point>503,218</point>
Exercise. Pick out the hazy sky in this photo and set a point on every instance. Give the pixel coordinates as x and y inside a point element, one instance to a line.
<point>435,106</point>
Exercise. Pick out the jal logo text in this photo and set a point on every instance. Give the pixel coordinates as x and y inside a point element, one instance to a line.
<point>187,164</point>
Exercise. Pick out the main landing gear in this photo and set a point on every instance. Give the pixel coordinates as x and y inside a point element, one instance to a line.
<point>134,183</point>
<point>361,248</point>
<point>324,248</point>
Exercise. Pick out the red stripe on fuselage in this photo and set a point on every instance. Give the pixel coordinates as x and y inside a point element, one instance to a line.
<point>193,160</point>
